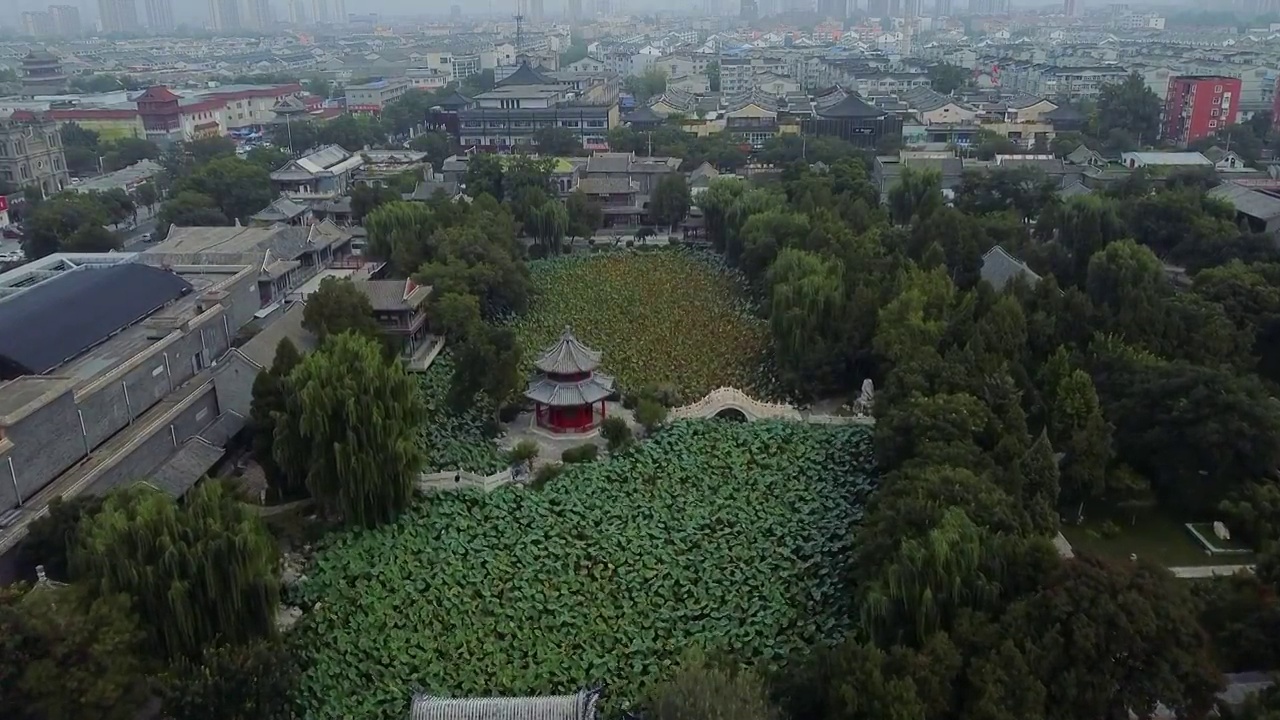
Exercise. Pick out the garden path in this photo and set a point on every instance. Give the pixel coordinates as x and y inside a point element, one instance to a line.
<point>551,445</point>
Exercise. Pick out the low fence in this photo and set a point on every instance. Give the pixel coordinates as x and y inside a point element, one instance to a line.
<point>449,480</point>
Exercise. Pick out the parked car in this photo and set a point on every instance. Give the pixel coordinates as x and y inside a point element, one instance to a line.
<point>148,237</point>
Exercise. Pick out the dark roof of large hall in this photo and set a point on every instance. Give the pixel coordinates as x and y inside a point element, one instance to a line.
<point>58,320</point>
<point>526,75</point>
<point>851,106</point>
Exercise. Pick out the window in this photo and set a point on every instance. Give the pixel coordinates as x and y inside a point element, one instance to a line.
<point>1217,88</point>
<point>1213,113</point>
<point>1213,123</point>
<point>1217,101</point>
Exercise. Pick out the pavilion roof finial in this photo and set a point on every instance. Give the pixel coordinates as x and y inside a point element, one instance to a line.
<point>568,356</point>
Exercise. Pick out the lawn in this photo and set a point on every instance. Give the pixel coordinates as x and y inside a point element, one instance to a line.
<point>1154,536</point>
<point>659,317</point>
<point>726,536</point>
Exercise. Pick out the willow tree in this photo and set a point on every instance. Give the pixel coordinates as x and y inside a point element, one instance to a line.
<point>199,572</point>
<point>350,426</point>
<point>932,579</point>
<point>806,316</point>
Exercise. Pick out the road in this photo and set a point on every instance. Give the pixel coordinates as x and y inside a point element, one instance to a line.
<point>133,236</point>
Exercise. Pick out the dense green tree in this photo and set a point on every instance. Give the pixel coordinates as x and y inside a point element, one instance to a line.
<point>238,187</point>
<point>1085,225</point>
<point>1253,513</point>
<point>806,307</point>
<point>269,158</point>
<point>52,537</point>
<point>147,194</point>
<point>947,78</point>
<point>55,221</point>
<point>1241,615</point>
<point>126,151</point>
<point>1040,475</point>
<point>917,193</point>
<point>436,144</point>
<point>1108,638</point>
<point>91,239</point>
<point>701,690</point>
<point>200,572</point>
<point>350,429</point>
<point>548,224</point>
<point>270,389</point>
<point>255,681</point>
<point>66,652</point>
<point>1129,107</point>
<point>670,200</point>
<point>557,141</point>
<point>189,209</point>
<point>585,215</point>
<point>1023,190</point>
<point>338,307</point>
<point>400,233</point>
<point>367,198</point>
<point>488,361</point>
<point>715,203</point>
<point>484,175</point>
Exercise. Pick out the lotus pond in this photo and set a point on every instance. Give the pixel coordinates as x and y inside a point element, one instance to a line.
<point>714,534</point>
<point>659,317</point>
<point>452,440</point>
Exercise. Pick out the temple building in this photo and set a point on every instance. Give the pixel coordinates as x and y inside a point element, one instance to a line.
<point>42,74</point>
<point>568,393</point>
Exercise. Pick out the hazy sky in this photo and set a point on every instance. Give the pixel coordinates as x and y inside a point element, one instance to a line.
<point>195,12</point>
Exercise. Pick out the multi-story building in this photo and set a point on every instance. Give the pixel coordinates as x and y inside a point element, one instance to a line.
<point>225,15</point>
<point>372,97</point>
<point>528,100</point>
<point>834,9</point>
<point>297,12</point>
<point>160,15</point>
<point>1071,8</point>
<point>325,173</point>
<point>31,152</point>
<point>257,15</point>
<point>118,16</point>
<point>1072,84</point>
<point>329,12</point>
<point>66,20</point>
<point>38,24</point>
<point>42,74</point>
<point>1198,106</point>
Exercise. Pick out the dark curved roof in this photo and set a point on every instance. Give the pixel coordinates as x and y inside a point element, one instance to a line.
<point>40,55</point>
<point>1063,113</point>
<point>568,356</point>
<point>455,101</point>
<point>59,319</point>
<point>643,115</point>
<point>526,75</point>
<point>851,106</point>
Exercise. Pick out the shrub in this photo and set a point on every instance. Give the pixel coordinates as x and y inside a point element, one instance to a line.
<point>631,243</point>
<point>1109,529</point>
<point>544,475</point>
<point>523,452</point>
<point>650,414</point>
<point>537,252</point>
<point>673,240</point>
<point>616,432</point>
<point>580,454</point>
<point>630,400</point>
<point>665,394</point>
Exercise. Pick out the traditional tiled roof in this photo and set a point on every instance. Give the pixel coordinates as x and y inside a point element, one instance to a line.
<point>851,106</point>
<point>999,268</point>
<point>568,356</point>
<point>557,707</point>
<point>525,75</point>
<point>593,389</point>
<point>393,295</point>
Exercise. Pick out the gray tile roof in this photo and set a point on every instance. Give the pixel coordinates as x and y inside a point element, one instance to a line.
<point>261,348</point>
<point>607,186</point>
<point>581,706</point>
<point>544,390</point>
<point>1075,189</point>
<point>393,295</point>
<point>60,319</point>
<point>1253,203</point>
<point>568,356</point>
<point>999,268</point>
<point>185,467</point>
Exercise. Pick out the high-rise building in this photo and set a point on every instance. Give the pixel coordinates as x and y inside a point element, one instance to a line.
<point>1198,106</point>
<point>573,9</point>
<point>224,15</point>
<point>329,12</point>
<point>257,15</point>
<point>749,10</point>
<point>910,9</point>
<point>535,11</point>
<point>1070,8</point>
<point>118,15</point>
<point>941,8</point>
<point>297,12</point>
<point>878,8</point>
<point>833,9</point>
<point>38,25</point>
<point>160,15</point>
<point>66,20</point>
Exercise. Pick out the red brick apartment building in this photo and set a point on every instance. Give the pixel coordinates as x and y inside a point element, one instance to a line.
<point>1198,106</point>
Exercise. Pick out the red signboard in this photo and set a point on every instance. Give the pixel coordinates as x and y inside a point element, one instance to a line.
<point>364,108</point>
<point>4,203</point>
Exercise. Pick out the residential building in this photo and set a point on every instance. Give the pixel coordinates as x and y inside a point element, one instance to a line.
<point>1197,106</point>
<point>1259,210</point>
<point>1071,8</point>
<point>258,15</point>
<point>528,99</point>
<point>113,371</point>
<point>329,12</point>
<point>31,152</point>
<point>748,10</point>
<point>160,15</point>
<point>327,172</point>
<point>1135,160</point>
<point>118,16</point>
<point>226,15</point>
<point>66,20</point>
<point>372,97</point>
<point>38,25</point>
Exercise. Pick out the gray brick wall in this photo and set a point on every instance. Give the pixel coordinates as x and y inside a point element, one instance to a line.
<point>148,456</point>
<point>46,442</point>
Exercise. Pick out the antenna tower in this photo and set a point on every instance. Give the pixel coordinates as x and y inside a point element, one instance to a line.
<point>519,27</point>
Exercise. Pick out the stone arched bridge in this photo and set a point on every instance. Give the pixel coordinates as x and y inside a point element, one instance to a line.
<point>727,398</point>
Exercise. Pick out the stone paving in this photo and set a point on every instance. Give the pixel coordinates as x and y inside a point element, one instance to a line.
<point>551,445</point>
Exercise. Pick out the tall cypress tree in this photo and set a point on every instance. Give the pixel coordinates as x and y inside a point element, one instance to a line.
<point>351,424</point>
<point>269,391</point>
<point>198,573</point>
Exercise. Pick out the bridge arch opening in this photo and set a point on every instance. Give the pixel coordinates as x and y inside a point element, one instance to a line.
<point>732,414</point>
